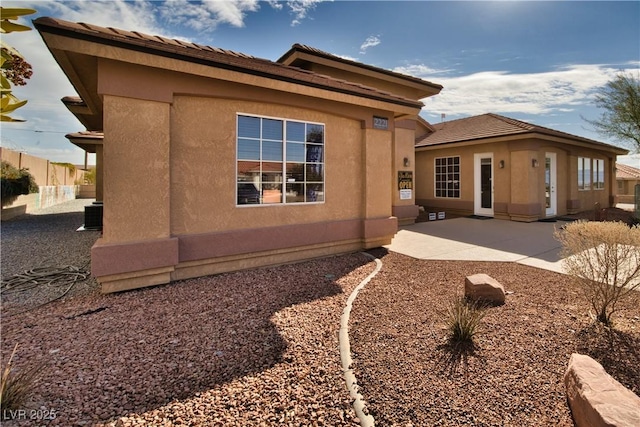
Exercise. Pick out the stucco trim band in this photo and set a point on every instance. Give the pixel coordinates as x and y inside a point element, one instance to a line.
<point>135,280</point>
<point>225,264</point>
<point>120,266</point>
<point>573,205</point>
<point>110,259</point>
<point>407,211</point>
<point>525,209</point>
<point>380,227</point>
<point>236,242</point>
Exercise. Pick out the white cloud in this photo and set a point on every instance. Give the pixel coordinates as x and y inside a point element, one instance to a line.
<point>206,16</point>
<point>138,15</point>
<point>371,41</point>
<point>300,9</point>
<point>419,70</point>
<point>565,89</point>
<point>276,4</point>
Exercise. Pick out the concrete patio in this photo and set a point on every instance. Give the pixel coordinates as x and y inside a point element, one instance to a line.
<point>470,239</point>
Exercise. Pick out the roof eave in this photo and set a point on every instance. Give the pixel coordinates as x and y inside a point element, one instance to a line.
<point>50,26</point>
<point>296,49</point>
<point>579,141</point>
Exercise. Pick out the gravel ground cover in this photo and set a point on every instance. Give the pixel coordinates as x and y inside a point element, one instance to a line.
<point>513,374</point>
<point>42,239</point>
<point>251,348</point>
<point>260,347</point>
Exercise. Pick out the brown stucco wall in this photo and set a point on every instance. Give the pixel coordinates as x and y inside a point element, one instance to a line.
<point>583,200</point>
<point>56,184</point>
<point>519,187</point>
<point>203,161</point>
<point>377,185</point>
<point>525,201</point>
<point>10,156</point>
<point>425,177</point>
<point>404,136</point>
<point>169,157</point>
<point>136,158</point>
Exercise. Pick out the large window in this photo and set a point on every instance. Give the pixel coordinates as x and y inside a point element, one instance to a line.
<point>584,173</point>
<point>279,161</point>
<point>447,177</point>
<point>598,174</point>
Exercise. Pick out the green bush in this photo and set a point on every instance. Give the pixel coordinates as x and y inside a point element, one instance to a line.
<point>15,182</point>
<point>462,318</point>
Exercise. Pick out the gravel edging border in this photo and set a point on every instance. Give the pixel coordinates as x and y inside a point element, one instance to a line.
<point>366,420</point>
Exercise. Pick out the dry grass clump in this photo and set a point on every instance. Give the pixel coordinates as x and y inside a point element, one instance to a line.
<point>16,386</point>
<point>462,317</point>
<point>604,257</point>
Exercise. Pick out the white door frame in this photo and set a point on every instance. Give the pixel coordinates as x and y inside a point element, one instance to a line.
<point>551,181</point>
<point>477,184</point>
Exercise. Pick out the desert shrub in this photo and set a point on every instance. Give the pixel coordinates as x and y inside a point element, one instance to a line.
<point>70,167</point>
<point>15,182</point>
<point>604,257</point>
<point>462,317</point>
<point>90,176</point>
<point>15,386</point>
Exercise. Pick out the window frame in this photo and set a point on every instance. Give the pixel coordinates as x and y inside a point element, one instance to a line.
<point>449,184</point>
<point>283,162</point>
<point>597,168</point>
<point>584,174</point>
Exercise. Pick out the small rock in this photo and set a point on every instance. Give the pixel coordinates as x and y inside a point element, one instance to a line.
<point>484,288</point>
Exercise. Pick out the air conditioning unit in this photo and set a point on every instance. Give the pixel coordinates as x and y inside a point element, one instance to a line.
<point>93,216</point>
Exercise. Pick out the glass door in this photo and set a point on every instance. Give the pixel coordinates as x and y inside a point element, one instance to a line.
<point>550,184</point>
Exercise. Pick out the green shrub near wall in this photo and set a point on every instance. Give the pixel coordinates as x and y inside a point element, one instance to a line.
<point>15,182</point>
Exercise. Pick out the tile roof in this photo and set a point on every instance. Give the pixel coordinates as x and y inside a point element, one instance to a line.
<point>212,56</point>
<point>491,125</point>
<point>626,172</point>
<point>314,51</point>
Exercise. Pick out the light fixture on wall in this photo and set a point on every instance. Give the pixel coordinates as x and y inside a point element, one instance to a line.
<point>406,162</point>
<point>501,164</point>
<point>534,163</point>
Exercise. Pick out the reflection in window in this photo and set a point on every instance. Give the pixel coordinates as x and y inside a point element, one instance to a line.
<point>584,173</point>
<point>598,174</point>
<point>447,177</point>
<point>279,161</point>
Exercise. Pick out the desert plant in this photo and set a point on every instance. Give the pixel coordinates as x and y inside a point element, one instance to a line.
<point>462,317</point>
<point>70,166</point>
<point>90,176</point>
<point>15,182</point>
<point>604,257</point>
<point>15,386</point>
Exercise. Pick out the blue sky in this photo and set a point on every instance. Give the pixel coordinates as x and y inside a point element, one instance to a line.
<point>538,61</point>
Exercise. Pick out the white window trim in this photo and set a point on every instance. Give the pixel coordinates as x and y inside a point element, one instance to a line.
<point>435,174</point>
<point>284,164</point>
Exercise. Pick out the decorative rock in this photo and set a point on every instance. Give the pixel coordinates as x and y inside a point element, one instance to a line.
<point>596,399</point>
<point>484,288</point>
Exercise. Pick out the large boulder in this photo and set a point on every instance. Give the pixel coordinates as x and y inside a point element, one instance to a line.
<point>596,399</point>
<point>484,288</point>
